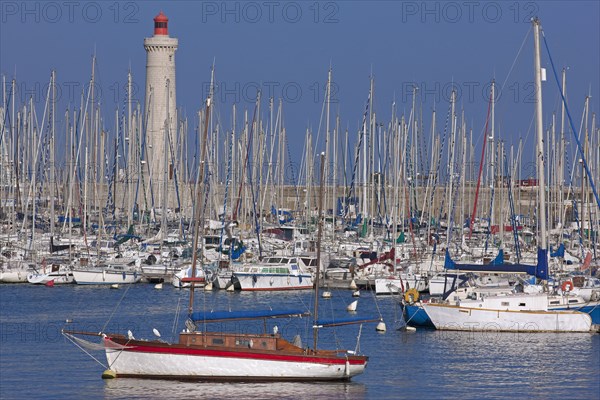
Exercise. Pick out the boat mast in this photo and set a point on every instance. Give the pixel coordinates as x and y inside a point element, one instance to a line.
<point>449,197</point>
<point>199,196</point>
<point>319,235</point>
<point>540,135</point>
<point>52,155</point>
<point>492,157</point>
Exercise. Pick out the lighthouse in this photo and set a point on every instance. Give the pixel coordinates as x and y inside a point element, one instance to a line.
<point>160,102</point>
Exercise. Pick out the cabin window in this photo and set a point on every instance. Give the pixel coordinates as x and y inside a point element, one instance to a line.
<point>522,304</point>
<point>212,240</point>
<point>243,343</point>
<point>505,304</point>
<point>218,341</point>
<point>555,302</point>
<point>573,301</point>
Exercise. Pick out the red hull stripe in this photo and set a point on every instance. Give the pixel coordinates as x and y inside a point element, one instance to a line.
<point>301,358</point>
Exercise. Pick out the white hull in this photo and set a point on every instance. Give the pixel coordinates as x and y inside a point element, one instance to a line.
<point>388,286</point>
<point>57,277</point>
<point>157,272</point>
<point>198,364</point>
<point>451,317</point>
<point>14,275</point>
<point>105,277</point>
<point>249,281</point>
<point>222,280</point>
<point>177,279</point>
<point>438,282</point>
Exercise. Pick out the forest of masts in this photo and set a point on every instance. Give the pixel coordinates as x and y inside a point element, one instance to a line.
<point>65,168</point>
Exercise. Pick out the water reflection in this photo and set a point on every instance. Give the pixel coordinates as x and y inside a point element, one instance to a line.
<point>166,389</point>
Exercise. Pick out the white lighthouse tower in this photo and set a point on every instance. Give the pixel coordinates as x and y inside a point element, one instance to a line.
<point>160,103</point>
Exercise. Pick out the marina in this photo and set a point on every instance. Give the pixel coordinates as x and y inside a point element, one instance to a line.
<point>422,252</point>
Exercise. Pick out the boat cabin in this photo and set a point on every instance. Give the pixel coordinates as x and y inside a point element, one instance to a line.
<point>230,340</point>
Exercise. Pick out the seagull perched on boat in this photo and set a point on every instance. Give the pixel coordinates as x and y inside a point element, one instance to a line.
<point>275,330</point>
<point>156,332</point>
<point>130,335</point>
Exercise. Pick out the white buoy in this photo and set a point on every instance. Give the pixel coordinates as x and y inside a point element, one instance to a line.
<point>158,286</point>
<point>326,295</point>
<point>408,329</point>
<point>156,332</point>
<point>114,286</point>
<point>381,327</point>
<point>353,285</point>
<point>356,293</point>
<point>352,306</point>
<point>208,287</point>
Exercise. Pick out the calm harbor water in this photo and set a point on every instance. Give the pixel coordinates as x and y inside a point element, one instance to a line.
<point>37,362</point>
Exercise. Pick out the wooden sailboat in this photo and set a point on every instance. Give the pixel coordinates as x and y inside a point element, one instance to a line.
<point>203,354</point>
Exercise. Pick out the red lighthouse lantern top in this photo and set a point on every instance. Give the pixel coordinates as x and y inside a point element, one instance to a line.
<point>161,24</point>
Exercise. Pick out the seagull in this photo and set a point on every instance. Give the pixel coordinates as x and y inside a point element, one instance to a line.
<point>156,332</point>
<point>275,330</point>
<point>130,335</point>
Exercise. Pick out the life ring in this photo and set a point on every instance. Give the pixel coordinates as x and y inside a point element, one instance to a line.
<point>411,295</point>
<point>567,286</point>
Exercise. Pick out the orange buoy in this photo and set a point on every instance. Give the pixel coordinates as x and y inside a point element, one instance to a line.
<point>567,286</point>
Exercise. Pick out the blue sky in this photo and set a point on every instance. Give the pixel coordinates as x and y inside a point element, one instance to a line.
<point>286,49</point>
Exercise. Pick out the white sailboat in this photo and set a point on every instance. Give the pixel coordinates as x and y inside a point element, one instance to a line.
<point>15,271</point>
<point>107,275</point>
<point>507,313</point>
<point>55,273</point>
<point>515,312</point>
<point>274,273</point>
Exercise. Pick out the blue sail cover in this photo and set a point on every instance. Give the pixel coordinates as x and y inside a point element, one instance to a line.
<point>560,252</point>
<point>237,252</point>
<point>283,216</point>
<point>201,316</point>
<point>539,271</point>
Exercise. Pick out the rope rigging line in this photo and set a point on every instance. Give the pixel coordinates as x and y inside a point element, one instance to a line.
<point>485,130</point>
<point>579,147</point>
